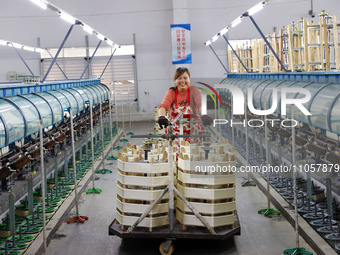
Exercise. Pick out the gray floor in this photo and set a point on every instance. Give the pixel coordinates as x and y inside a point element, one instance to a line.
<point>259,235</point>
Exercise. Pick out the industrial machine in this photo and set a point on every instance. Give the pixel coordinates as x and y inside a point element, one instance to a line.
<point>316,139</point>
<point>24,109</point>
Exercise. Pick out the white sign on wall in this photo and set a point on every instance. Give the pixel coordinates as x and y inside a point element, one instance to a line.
<point>181,44</point>
<point>11,76</point>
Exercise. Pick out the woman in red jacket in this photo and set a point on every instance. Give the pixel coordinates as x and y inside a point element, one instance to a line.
<point>186,99</point>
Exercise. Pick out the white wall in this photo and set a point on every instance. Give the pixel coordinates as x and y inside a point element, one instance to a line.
<point>10,61</point>
<point>150,20</point>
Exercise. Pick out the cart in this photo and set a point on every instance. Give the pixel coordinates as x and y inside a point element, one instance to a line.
<point>174,230</point>
<point>167,247</point>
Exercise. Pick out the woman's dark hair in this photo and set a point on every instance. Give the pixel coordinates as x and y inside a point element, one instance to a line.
<point>180,71</point>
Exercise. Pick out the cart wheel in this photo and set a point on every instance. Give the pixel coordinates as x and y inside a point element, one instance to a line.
<point>170,251</point>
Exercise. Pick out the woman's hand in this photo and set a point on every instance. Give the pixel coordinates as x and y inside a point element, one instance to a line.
<point>162,121</point>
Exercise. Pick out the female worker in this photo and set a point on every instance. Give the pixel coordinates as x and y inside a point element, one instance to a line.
<point>186,99</point>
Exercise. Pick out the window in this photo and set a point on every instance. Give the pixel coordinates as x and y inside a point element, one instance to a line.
<point>119,75</point>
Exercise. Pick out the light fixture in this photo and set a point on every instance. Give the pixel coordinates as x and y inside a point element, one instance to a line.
<point>20,46</point>
<point>88,29</point>
<point>67,17</point>
<point>40,50</point>
<point>109,42</point>
<point>100,36</point>
<point>40,3</point>
<point>70,19</point>
<point>224,31</point>
<point>236,21</point>
<point>256,8</point>
<point>214,38</point>
<point>15,45</point>
<point>28,48</point>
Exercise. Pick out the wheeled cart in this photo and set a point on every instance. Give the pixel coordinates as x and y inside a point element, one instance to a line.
<point>146,189</point>
<point>191,232</point>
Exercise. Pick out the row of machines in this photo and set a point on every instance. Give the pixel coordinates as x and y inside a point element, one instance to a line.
<point>23,163</point>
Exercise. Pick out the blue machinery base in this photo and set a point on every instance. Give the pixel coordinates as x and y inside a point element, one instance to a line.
<point>296,76</point>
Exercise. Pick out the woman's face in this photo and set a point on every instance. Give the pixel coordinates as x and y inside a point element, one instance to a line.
<point>183,81</point>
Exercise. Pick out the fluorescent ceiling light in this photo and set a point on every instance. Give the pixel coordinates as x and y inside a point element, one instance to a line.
<point>28,48</point>
<point>116,46</point>
<point>100,36</point>
<point>256,8</point>
<point>20,46</point>
<point>224,31</point>
<point>214,39</point>
<point>67,17</point>
<point>237,21</point>
<point>40,50</point>
<point>109,42</point>
<point>88,29</point>
<point>72,20</point>
<point>40,3</point>
<point>15,45</point>
<point>53,8</point>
